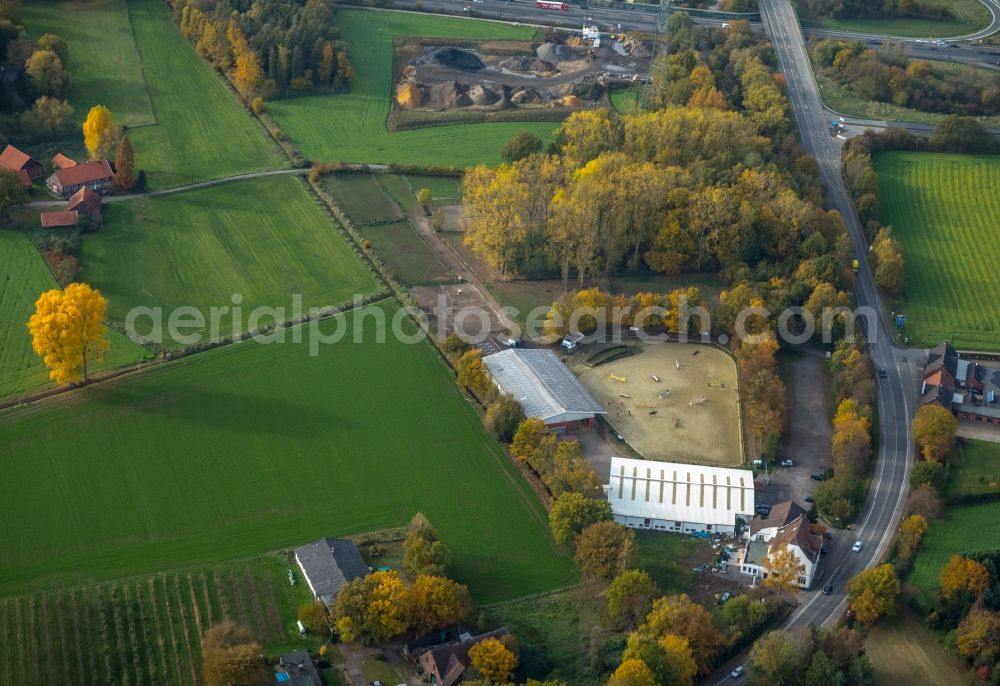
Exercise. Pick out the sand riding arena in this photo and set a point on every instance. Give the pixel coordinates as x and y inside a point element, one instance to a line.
<point>672,401</point>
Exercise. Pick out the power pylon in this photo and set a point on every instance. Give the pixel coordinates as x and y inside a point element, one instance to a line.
<point>660,48</point>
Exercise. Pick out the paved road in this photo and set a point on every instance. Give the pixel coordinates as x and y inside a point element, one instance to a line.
<point>896,394</point>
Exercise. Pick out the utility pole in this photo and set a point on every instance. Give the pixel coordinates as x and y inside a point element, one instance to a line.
<point>662,19</point>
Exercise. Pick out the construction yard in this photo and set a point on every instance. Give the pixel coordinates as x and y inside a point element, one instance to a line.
<point>477,79</point>
<point>672,401</point>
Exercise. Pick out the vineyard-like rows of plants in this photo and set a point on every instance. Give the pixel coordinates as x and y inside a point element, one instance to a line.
<point>145,630</point>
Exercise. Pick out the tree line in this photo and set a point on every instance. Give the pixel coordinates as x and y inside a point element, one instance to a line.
<point>882,9</point>
<point>270,48</point>
<point>712,180</point>
<point>886,75</point>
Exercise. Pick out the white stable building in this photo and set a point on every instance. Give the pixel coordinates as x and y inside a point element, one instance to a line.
<point>685,498</point>
<point>545,387</point>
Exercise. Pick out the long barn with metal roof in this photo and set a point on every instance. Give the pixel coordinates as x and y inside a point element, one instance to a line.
<point>686,498</point>
<point>545,387</point>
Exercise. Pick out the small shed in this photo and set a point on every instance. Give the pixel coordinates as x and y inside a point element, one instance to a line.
<point>85,201</point>
<point>58,220</point>
<point>328,564</point>
<point>16,160</point>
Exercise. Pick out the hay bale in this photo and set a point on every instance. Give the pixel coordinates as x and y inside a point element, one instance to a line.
<point>408,95</point>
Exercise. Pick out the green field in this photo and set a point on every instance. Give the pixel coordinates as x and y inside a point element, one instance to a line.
<point>968,16</point>
<point>626,100</point>
<point>352,127</point>
<point>904,653</point>
<point>145,630</point>
<point>967,529</point>
<point>251,448</point>
<point>979,473</point>
<point>405,253</point>
<point>361,197</point>
<point>946,213</point>
<point>23,277</point>
<point>102,56</point>
<point>445,190</point>
<point>265,239</point>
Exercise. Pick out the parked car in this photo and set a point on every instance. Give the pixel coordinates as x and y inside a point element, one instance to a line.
<point>787,463</point>
<point>882,373</point>
<point>858,545</point>
<point>724,598</point>
<point>763,509</point>
<point>828,589</point>
<point>818,476</point>
<point>809,499</point>
<point>737,673</point>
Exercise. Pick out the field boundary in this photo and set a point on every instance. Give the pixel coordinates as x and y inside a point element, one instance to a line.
<point>142,69</point>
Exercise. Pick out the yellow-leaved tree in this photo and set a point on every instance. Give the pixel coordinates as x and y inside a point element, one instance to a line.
<point>963,574</point>
<point>783,570</point>
<point>100,132</point>
<point>67,330</point>
<point>632,672</point>
<point>373,608</point>
<point>493,660</point>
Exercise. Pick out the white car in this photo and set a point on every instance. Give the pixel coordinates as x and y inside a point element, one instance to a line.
<point>858,545</point>
<point>787,463</point>
<point>737,673</point>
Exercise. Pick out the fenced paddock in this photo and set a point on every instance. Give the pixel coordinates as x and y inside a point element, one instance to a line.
<point>672,401</point>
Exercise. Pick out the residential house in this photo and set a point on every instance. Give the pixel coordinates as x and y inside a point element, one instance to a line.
<point>443,657</point>
<point>328,564</point>
<point>545,387</point>
<point>85,201</point>
<point>96,175</point>
<point>17,161</point>
<point>684,498</point>
<point>968,388</point>
<point>297,669</point>
<point>785,527</point>
<point>58,220</point>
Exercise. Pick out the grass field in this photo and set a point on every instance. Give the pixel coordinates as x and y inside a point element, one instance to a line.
<point>626,100</point>
<point>904,653</point>
<point>405,253</point>
<point>250,448</point>
<point>361,197</point>
<point>968,16</point>
<point>102,58</point>
<point>145,630</point>
<point>980,473</point>
<point>192,109</point>
<point>965,529</point>
<point>445,190</point>
<point>23,277</point>
<point>667,558</point>
<point>352,127</point>
<point>946,213</point>
<point>265,239</point>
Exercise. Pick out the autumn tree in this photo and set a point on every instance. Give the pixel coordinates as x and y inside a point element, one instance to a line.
<point>778,659</point>
<point>963,574</point>
<point>47,73</point>
<point>100,132</point>
<point>585,135</point>
<point>889,263</point>
<point>934,429</point>
<point>493,660</point>
<point>630,595</point>
<point>124,165</point>
<point>872,593</point>
<point>495,226</point>
<point>248,75</point>
<point>851,438</point>
<point>12,192</point>
<point>67,331</point>
<point>50,115</point>
<point>423,553</point>
<point>925,501</point>
<point>503,417</point>
<point>472,375</point>
<point>230,656</point>
<point>632,672</point>
<point>53,43</point>
<point>683,617</point>
<point>314,617</point>
<point>438,602</point>
<point>373,608</point>
<point>522,144</point>
<point>783,569</point>
<point>571,513</point>
<point>605,549</point>
<point>528,437</point>
<point>567,470</point>
<point>978,635</point>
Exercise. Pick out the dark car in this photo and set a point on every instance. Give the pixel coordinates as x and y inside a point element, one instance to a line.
<point>818,476</point>
<point>828,589</point>
<point>882,373</point>
<point>809,499</point>
<point>763,509</point>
